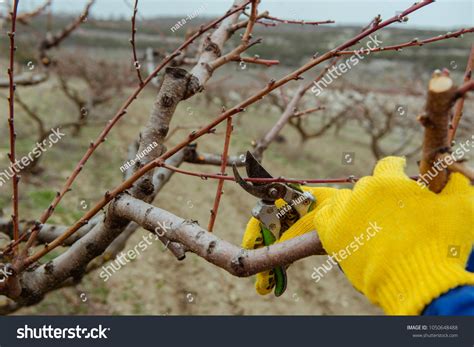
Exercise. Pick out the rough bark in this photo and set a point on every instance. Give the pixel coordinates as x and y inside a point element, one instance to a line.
<point>235,260</point>
<point>441,91</point>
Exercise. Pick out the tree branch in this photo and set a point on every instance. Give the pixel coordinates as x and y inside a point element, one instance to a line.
<point>136,63</point>
<point>237,261</point>
<point>11,121</point>
<point>413,43</point>
<point>25,80</point>
<point>441,91</point>
<point>25,17</point>
<point>56,39</point>
<point>220,183</point>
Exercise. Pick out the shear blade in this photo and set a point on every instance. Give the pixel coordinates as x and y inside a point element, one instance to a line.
<point>255,169</point>
<point>259,191</point>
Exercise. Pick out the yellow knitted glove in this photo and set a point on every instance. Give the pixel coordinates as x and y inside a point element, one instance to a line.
<point>252,238</point>
<point>398,243</point>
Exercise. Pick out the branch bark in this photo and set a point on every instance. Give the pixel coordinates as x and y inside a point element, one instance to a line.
<point>441,92</point>
<point>26,80</point>
<point>11,121</point>
<point>237,261</point>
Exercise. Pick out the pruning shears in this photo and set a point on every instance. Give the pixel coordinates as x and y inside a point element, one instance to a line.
<point>274,221</point>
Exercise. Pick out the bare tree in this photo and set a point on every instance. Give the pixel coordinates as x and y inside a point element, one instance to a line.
<point>383,120</point>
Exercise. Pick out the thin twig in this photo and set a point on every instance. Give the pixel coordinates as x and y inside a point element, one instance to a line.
<point>254,60</point>
<point>205,176</point>
<point>25,17</point>
<point>11,120</point>
<point>308,111</point>
<point>464,89</point>
<point>458,107</point>
<point>220,184</point>
<point>33,115</point>
<point>54,40</point>
<point>245,43</point>
<point>289,21</point>
<point>136,63</point>
<point>413,43</point>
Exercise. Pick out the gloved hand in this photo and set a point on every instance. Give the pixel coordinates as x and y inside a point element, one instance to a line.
<point>413,244</point>
<point>252,237</point>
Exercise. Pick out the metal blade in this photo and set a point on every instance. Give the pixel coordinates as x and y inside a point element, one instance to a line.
<point>255,169</point>
<point>267,192</point>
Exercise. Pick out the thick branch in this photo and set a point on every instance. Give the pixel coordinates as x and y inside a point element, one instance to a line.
<point>436,118</point>
<point>235,260</point>
<point>25,80</point>
<point>49,231</point>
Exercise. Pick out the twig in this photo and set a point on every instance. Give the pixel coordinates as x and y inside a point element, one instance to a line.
<point>458,107</point>
<point>25,17</point>
<point>54,40</point>
<point>254,60</point>
<point>243,24</point>
<point>412,43</point>
<point>244,44</point>
<point>301,22</point>
<point>205,176</point>
<point>462,90</point>
<point>33,115</point>
<point>220,184</point>
<point>178,128</point>
<point>136,63</point>
<point>11,120</point>
<point>201,158</point>
<point>454,166</point>
<point>308,111</point>
<point>288,113</point>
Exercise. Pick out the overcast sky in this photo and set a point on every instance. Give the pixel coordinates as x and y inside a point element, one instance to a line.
<point>441,14</point>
